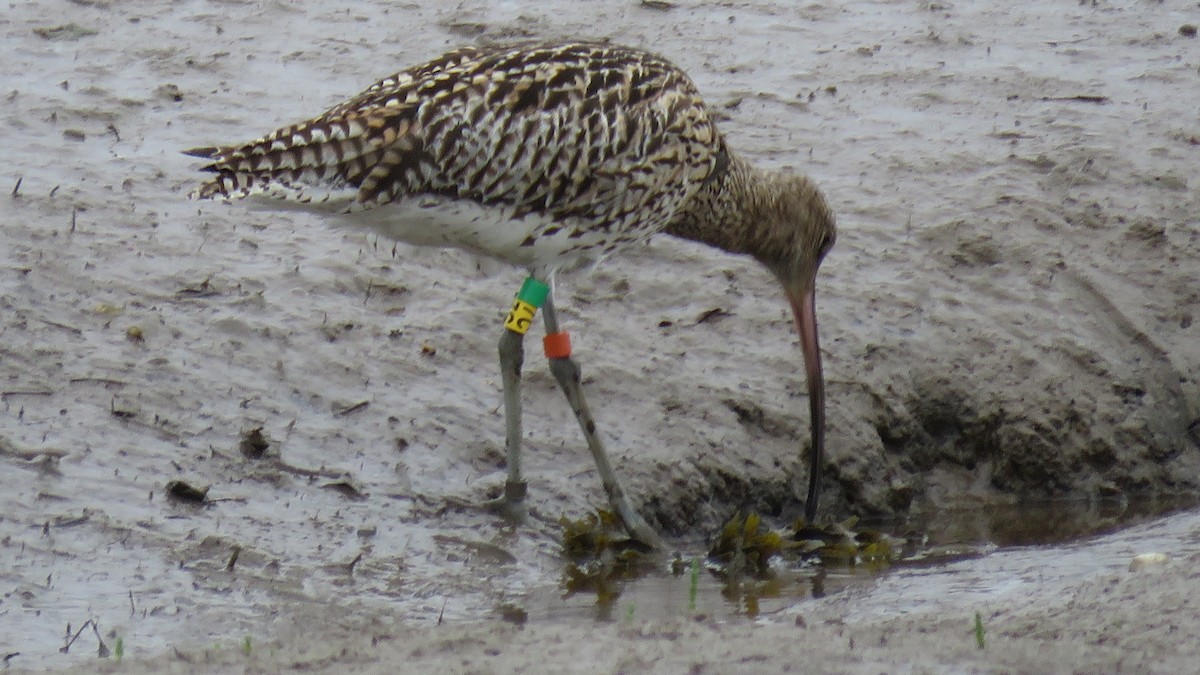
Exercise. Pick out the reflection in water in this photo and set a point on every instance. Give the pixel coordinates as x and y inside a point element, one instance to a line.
<point>1040,523</point>
<point>936,542</point>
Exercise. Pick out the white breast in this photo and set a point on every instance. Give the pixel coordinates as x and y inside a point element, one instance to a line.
<point>530,241</point>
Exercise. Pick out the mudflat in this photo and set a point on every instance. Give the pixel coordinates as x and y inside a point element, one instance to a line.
<point>1008,314</point>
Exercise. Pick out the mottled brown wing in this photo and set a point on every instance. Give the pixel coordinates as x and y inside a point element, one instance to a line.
<point>580,130</point>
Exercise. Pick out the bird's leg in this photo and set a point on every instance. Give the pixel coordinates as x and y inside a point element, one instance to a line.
<point>566,371</point>
<point>512,355</point>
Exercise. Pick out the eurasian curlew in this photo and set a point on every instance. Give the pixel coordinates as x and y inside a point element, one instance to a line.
<point>539,155</point>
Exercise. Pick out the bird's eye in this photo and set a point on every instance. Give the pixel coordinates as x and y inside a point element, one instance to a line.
<point>826,244</point>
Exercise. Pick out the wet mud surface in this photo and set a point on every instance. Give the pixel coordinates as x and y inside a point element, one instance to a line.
<point>1009,313</point>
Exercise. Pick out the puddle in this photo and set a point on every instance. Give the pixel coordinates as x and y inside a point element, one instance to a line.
<point>974,554</point>
<point>965,557</point>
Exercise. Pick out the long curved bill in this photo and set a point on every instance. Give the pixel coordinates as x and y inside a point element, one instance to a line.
<point>805,314</point>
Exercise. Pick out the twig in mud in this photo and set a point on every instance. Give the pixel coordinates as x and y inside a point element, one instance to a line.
<point>1075,41</point>
<point>154,427</point>
<point>218,500</point>
<point>26,392</point>
<point>361,405</point>
<point>233,558</point>
<point>353,563</point>
<point>71,639</point>
<point>132,609</point>
<point>202,290</point>
<point>74,212</point>
<point>693,583</point>
<point>98,380</point>
<point>61,325</point>
<point>309,473</point>
<point>102,650</point>
<point>1080,98</point>
<point>16,191</point>
<point>120,412</point>
<point>712,316</point>
<point>54,190</point>
<point>71,521</point>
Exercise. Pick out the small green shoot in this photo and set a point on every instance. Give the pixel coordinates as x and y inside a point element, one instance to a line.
<point>119,649</point>
<point>629,613</point>
<point>694,584</point>
<point>246,646</point>
<point>979,630</point>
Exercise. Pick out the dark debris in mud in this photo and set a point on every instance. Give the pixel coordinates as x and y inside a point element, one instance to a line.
<point>346,488</point>
<point>202,289</point>
<point>254,443</point>
<point>600,554</point>
<point>185,492</point>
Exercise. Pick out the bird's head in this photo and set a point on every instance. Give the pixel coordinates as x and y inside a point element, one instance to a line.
<point>801,234</point>
<point>783,221</point>
<point>801,231</point>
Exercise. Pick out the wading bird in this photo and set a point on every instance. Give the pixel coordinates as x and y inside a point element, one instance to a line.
<point>540,155</point>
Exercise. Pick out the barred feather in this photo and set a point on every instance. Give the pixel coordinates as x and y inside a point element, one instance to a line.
<point>583,139</point>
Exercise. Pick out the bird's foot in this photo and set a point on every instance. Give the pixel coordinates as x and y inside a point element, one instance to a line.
<point>637,526</point>
<point>510,505</point>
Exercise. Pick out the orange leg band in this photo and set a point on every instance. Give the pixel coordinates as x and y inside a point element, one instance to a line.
<point>557,345</point>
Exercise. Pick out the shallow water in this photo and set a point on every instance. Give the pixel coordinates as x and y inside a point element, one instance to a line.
<point>968,554</point>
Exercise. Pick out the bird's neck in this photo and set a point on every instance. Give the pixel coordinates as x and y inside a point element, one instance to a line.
<point>735,212</point>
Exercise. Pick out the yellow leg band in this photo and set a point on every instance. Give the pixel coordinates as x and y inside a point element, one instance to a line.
<point>520,317</point>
